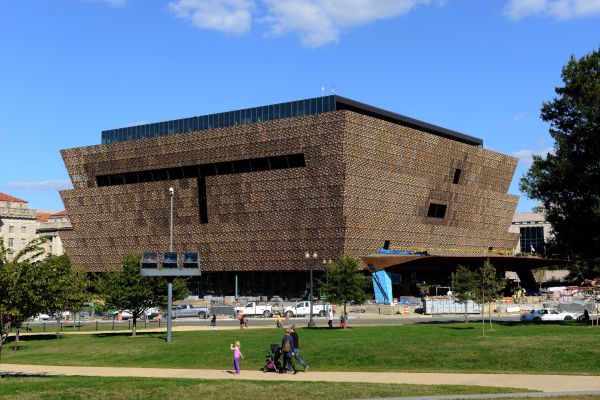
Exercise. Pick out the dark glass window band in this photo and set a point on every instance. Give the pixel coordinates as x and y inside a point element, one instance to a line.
<point>200,172</point>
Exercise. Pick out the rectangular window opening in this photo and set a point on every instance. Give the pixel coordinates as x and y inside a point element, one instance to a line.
<point>436,210</point>
<point>456,179</point>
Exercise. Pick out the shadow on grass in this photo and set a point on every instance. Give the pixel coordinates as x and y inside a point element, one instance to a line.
<point>160,336</point>
<point>10,374</point>
<point>459,328</point>
<point>26,338</point>
<point>545,323</point>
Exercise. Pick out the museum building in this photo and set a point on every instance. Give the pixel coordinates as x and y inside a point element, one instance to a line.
<point>257,188</point>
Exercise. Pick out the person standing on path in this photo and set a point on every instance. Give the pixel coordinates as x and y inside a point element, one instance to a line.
<point>241,318</point>
<point>330,317</point>
<point>294,335</point>
<point>343,320</point>
<point>278,323</point>
<point>237,354</point>
<point>287,348</point>
<point>213,321</point>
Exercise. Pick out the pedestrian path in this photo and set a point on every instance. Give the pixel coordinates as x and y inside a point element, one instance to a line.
<point>544,383</point>
<point>529,395</point>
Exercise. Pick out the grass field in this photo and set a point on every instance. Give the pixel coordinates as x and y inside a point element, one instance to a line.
<point>516,348</point>
<point>143,388</point>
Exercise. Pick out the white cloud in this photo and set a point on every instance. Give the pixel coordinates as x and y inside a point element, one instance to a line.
<point>558,9</point>
<point>517,9</point>
<point>518,117</point>
<point>56,184</point>
<point>526,156</point>
<point>135,123</point>
<point>112,3</point>
<point>229,16</point>
<point>319,22</point>
<point>316,22</point>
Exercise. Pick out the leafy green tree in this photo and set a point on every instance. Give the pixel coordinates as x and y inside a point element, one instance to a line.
<point>126,289</point>
<point>65,287</point>
<point>20,292</point>
<point>481,286</point>
<point>567,180</point>
<point>346,282</point>
<point>464,286</point>
<point>488,286</point>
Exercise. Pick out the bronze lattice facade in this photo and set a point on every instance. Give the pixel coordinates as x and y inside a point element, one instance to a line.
<point>256,196</point>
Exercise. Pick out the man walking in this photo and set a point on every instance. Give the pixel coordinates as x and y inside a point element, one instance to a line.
<point>294,335</point>
<point>330,316</point>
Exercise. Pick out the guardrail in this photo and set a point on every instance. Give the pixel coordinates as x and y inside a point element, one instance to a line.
<point>98,325</point>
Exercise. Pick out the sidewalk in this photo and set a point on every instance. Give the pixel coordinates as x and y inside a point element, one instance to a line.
<point>545,383</point>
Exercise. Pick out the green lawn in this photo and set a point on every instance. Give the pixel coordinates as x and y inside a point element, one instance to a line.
<point>516,348</point>
<point>143,388</point>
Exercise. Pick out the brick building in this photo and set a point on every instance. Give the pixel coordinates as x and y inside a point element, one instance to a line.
<point>256,188</point>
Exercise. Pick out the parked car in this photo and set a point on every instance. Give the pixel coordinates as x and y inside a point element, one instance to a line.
<point>190,310</point>
<point>303,308</point>
<point>42,317</point>
<point>547,314</point>
<point>152,313</point>
<point>125,314</point>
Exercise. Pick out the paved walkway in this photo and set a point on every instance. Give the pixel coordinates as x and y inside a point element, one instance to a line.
<point>545,383</point>
<point>494,396</point>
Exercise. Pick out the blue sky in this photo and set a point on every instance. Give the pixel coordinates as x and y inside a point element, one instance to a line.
<point>71,68</point>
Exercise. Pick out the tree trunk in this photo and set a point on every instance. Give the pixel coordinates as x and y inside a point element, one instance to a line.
<point>2,339</point>
<point>133,331</point>
<point>345,316</point>
<point>16,347</point>
<point>57,327</point>
<point>483,310</point>
<point>490,313</point>
<point>466,313</point>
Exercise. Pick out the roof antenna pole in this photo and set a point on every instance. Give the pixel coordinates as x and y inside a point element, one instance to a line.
<point>332,89</point>
<point>322,90</point>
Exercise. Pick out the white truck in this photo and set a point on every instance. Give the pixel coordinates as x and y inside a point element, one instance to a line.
<point>303,308</point>
<point>255,309</point>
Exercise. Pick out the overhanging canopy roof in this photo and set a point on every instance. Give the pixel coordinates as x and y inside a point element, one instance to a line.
<point>399,263</point>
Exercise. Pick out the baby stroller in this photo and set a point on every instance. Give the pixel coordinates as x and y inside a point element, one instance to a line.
<point>272,359</point>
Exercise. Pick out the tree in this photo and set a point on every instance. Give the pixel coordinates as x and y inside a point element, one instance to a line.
<point>481,286</point>
<point>488,286</point>
<point>464,286</point>
<point>65,288</point>
<point>126,289</point>
<point>567,180</point>
<point>345,282</point>
<point>20,293</point>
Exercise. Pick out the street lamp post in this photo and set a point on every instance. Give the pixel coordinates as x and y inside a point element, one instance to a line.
<point>170,279</point>
<point>311,258</point>
<point>171,193</point>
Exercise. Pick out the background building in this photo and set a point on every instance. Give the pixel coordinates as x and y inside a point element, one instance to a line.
<point>533,229</point>
<point>17,223</point>
<point>20,224</point>
<point>256,188</point>
<point>51,226</point>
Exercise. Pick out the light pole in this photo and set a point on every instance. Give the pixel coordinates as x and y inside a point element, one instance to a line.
<point>170,279</point>
<point>308,256</point>
<point>171,193</point>
<point>326,263</point>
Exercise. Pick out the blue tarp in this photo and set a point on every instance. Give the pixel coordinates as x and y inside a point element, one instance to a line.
<point>384,251</point>
<point>382,283</point>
